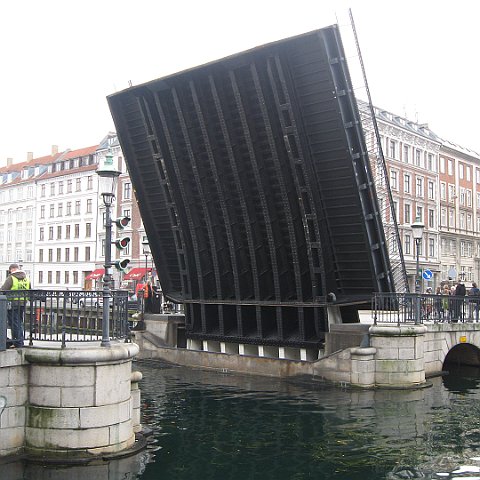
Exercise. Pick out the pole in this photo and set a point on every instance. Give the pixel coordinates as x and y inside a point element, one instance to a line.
<point>107,278</point>
<point>417,284</point>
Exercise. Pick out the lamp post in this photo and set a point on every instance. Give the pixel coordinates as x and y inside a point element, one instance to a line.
<point>107,186</point>
<point>417,230</point>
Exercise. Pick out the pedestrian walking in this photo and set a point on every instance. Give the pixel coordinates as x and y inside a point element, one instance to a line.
<point>17,280</point>
<point>474,294</point>
<point>460,292</point>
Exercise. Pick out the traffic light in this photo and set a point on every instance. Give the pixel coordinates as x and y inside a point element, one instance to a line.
<point>122,264</point>
<point>122,243</point>
<point>122,222</point>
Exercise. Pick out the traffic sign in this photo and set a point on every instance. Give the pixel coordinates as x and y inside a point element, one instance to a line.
<point>427,274</point>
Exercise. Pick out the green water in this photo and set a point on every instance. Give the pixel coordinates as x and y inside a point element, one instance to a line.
<point>208,425</point>
<point>222,426</point>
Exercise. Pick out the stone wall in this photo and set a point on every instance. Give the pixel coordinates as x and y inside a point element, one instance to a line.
<point>69,402</point>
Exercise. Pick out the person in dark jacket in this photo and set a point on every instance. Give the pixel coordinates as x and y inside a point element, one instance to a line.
<point>16,280</point>
<point>460,291</point>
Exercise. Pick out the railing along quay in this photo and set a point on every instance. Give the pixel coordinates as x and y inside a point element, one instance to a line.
<point>67,316</point>
<point>402,308</point>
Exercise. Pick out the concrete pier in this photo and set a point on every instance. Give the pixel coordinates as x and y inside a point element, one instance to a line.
<point>80,401</point>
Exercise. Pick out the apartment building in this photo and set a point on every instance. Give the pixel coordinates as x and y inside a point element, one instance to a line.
<point>52,218</point>
<point>459,213</point>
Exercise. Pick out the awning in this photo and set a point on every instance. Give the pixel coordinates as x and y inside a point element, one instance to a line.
<point>136,273</point>
<point>95,274</point>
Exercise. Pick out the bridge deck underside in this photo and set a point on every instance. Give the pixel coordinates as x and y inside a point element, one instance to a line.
<point>255,190</point>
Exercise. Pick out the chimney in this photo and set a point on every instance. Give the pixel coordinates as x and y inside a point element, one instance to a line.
<point>54,150</point>
<point>29,156</point>
<point>9,162</point>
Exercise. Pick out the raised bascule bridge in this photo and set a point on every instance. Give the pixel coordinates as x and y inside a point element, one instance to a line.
<point>256,191</point>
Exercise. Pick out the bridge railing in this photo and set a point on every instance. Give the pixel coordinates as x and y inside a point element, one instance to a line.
<point>66,316</point>
<point>412,308</point>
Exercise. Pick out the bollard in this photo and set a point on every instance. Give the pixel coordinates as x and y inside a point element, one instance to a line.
<point>3,323</point>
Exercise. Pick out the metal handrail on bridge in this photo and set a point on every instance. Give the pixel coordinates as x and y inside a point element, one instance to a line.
<point>412,308</point>
<point>65,315</point>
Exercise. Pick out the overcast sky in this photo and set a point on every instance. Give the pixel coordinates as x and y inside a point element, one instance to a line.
<point>60,59</point>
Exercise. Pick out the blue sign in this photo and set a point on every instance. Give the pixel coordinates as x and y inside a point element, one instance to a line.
<point>427,274</point>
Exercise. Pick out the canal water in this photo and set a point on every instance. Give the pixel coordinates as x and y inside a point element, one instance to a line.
<point>211,425</point>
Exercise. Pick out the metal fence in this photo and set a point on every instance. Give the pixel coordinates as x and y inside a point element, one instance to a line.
<point>66,316</point>
<point>414,308</point>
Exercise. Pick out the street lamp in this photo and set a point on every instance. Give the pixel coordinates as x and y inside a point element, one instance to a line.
<point>417,230</point>
<point>107,186</point>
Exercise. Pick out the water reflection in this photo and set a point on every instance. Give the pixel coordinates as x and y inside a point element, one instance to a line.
<point>211,425</point>
<point>128,468</point>
<point>238,427</point>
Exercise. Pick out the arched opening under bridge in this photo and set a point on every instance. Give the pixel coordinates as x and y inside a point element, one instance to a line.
<point>463,354</point>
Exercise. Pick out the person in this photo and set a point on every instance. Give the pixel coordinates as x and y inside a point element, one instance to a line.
<point>16,280</point>
<point>439,304</point>
<point>460,291</point>
<point>148,296</point>
<point>447,312</point>
<point>475,293</point>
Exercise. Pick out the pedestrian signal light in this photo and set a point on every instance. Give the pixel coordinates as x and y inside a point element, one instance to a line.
<point>122,222</point>
<point>122,264</point>
<point>122,243</point>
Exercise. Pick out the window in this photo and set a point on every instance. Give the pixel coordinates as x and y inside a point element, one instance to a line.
<point>42,211</point>
<point>407,244</point>
<point>52,210</point>
<point>88,230</point>
<point>40,255</point>
<point>60,210</point>
<point>75,277</point>
<point>40,277</point>
<point>443,191</point>
<point>87,254</point>
<point>77,207</point>
<point>52,189</point>
<point>393,146</point>
<point>78,185</point>
<point>451,218</point>
<point>406,152</point>
<point>67,278</point>
<point>69,186</point>
<point>477,173</point>
<point>50,255</point>
<point>407,217</point>
<point>469,221</point>
<point>418,158</point>
<point>69,208</point>
<point>67,231</point>
<point>431,190</point>
<point>442,164</point>
<point>430,163</point>
<point>419,191</point>
<point>394,179</point>
<point>461,170</point>
<point>49,276</point>
<point>462,220</point>
<point>406,183</point>
<point>431,247</point>
<point>469,174</point>
<point>59,254</point>
<point>450,166</point>
<point>419,213</point>
<point>67,255</point>
<point>77,230</point>
<point>50,233</point>
<point>75,254</point>
<point>57,277</point>
<point>462,196</point>
<point>89,182</point>
<point>431,218</point>
<point>451,193</point>
<point>43,190</point>
<point>469,197</point>
<point>59,232</point>
<point>41,234</point>
<point>89,205</point>
<point>60,188</point>
<point>443,217</point>
<point>127,190</point>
